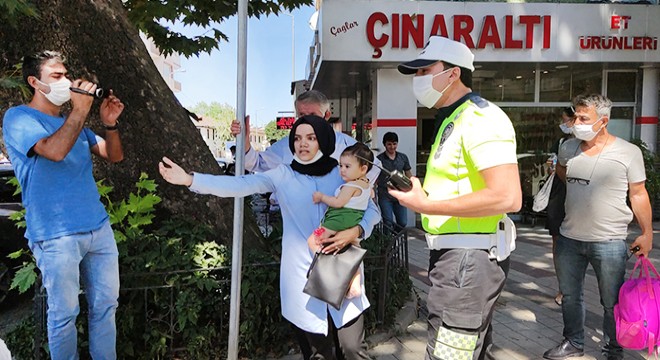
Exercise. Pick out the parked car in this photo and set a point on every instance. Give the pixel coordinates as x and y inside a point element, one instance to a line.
<point>11,238</point>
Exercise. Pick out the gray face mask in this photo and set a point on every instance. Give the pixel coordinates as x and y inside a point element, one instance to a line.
<point>565,129</point>
<point>59,91</point>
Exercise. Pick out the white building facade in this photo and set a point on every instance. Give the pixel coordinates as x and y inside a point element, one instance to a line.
<point>531,59</point>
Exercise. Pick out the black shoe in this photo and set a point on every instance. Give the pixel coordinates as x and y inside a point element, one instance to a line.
<point>563,351</point>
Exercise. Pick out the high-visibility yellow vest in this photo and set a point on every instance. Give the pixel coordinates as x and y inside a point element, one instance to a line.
<point>476,136</point>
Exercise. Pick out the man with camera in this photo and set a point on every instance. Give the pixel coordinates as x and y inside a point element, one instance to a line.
<point>68,229</point>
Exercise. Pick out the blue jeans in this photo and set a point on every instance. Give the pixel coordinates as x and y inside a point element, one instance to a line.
<point>608,259</point>
<point>62,261</point>
<point>389,209</point>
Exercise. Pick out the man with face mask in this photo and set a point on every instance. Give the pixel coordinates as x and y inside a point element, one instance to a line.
<point>471,183</point>
<point>600,171</point>
<point>68,229</point>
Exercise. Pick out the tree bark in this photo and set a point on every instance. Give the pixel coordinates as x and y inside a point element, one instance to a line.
<point>103,46</point>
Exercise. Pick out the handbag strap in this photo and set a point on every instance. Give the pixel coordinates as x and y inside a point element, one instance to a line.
<point>646,264</point>
<point>311,266</point>
<point>649,265</point>
<point>652,348</point>
<point>637,263</point>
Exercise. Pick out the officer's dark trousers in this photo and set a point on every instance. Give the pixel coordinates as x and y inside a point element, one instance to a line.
<point>465,286</point>
<point>346,343</point>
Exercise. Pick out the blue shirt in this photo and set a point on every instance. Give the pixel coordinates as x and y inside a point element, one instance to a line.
<point>60,197</point>
<point>300,216</point>
<point>400,162</point>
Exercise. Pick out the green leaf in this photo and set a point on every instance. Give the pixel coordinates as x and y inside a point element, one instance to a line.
<point>24,277</point>
<point>14,181</point>
<point>146,184</point>
<point>104,190</point>
<point>18,218</point>
<point>140,220</point>
<point>119,236</point>
<point>17,254</point>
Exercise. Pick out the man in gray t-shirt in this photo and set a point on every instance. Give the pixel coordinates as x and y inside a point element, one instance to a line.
<point>600,171</point>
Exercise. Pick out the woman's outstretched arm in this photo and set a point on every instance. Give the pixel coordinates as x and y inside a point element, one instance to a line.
<point>220,185</point>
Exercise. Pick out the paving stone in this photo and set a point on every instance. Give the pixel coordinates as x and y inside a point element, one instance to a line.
<point>526,321</point>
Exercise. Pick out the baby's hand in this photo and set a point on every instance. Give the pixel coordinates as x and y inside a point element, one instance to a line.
<point>317,197</point>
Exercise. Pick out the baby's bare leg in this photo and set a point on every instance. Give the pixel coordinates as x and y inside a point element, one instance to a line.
<point>355,289</point>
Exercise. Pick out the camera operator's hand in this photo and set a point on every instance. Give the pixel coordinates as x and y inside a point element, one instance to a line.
<point>82,103</point>
<point>236,130</point>
<point>111,108</point>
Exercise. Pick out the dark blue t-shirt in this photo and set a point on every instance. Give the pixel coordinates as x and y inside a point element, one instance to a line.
<point>400,162</point>
<point>60,198</point>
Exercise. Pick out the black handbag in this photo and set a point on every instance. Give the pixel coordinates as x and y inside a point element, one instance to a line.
<point>329,276</point>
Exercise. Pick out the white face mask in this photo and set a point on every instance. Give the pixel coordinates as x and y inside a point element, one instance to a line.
<point>565,129</point>
<point>585,131</point>
<point>319,154</point>
<point>59,91</point>
<point>424,91</point>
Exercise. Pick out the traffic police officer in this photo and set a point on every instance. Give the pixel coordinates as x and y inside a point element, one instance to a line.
<point>471,183</point>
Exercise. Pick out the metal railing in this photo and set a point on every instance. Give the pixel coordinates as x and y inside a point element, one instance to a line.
<point>387,251</point>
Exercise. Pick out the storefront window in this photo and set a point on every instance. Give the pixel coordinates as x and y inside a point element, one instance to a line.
<point>621,86</point>
<point>621,122</point>
<point>505,83</point>
<point>562,82</point>
<point>537,128</point>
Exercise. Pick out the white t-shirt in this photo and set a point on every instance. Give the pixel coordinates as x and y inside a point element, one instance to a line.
<point>598,211</point>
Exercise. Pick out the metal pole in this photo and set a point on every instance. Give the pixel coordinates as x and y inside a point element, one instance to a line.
<point>237,241</point>
<point>293,49</point>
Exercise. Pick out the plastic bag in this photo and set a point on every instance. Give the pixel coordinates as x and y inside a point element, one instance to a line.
<point>542,197</point>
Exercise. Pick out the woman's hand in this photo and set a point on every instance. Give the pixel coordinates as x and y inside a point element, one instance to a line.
<point>173,173</point>
<point>341,240</point>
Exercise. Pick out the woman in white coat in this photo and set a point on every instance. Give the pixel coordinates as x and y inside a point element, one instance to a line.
<point>312,170</point>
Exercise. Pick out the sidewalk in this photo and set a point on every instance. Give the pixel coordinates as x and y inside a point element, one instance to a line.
<point>527,321</point>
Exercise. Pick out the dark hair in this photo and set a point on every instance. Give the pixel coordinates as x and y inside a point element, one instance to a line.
<point>466,74</point>
<point>390,136</point>
<point>568,111</point>
<point>361,152</point>
<point>32,64</point>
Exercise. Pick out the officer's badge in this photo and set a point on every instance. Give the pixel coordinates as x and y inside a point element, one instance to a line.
<point>445,135</point>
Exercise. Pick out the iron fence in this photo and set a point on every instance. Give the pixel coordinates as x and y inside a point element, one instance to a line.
<point>387,251</point>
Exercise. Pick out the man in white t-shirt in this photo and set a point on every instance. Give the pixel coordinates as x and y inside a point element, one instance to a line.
<point>600,171</point>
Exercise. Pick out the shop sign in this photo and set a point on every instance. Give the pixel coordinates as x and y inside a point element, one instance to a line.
<point>366,126</point>
<point>398,30</point>
<point>285,122</point>
<point>618,22</point>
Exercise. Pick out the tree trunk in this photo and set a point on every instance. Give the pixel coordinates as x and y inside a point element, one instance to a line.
<point>103,46</point>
